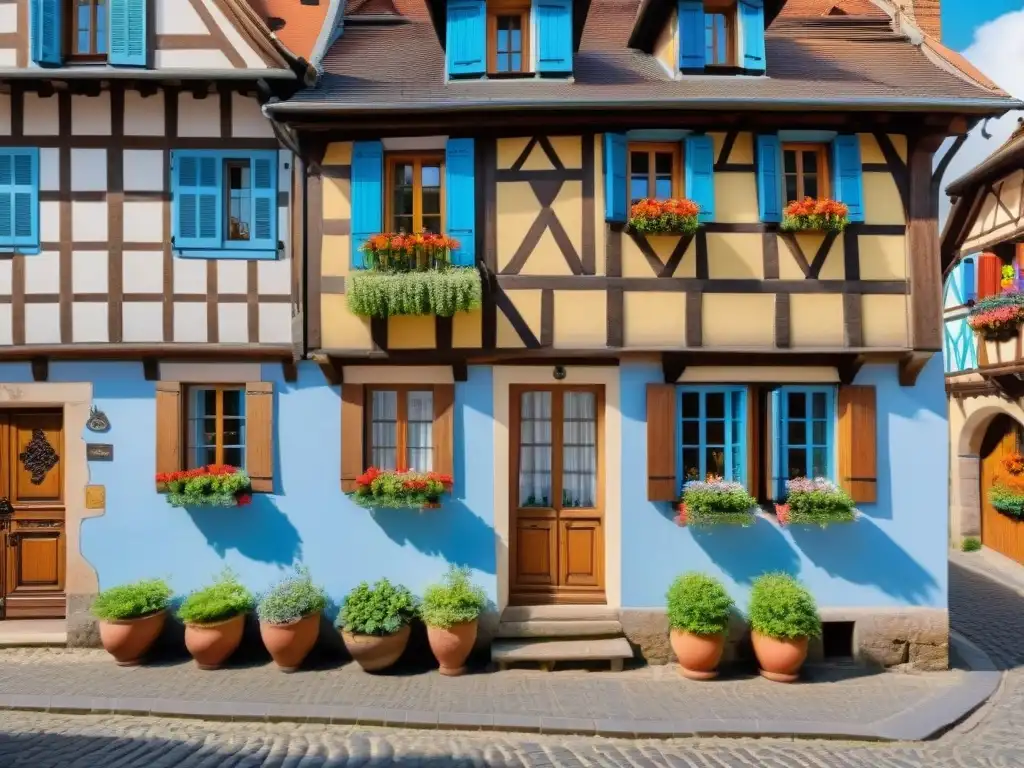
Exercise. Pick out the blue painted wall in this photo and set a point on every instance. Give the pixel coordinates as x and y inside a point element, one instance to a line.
<point>960,346</point>
<point>894,555</point>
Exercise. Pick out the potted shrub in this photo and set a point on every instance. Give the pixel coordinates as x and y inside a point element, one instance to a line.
<point>1007,493</point>
<point>289,617</point>
<point>783,618</point>
<point>214,619</point>
<point>664,217</point>
<point>698,615</point>
<point>375,623</point>
<point>216,485</point>
<point>131,617</point>
<point>810,215</point>
<point>815,502</point>
<point>998,318</point>
<point>377,488</point>
<point>450,610</point>
<point>715,501</point>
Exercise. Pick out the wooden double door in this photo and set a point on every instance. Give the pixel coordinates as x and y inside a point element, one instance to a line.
<point>556,485</point>
<point>32,525</point>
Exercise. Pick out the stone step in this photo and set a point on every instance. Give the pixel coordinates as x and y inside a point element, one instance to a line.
<point>547,652</point>
<point>522,613</point>
<point>567,628</point>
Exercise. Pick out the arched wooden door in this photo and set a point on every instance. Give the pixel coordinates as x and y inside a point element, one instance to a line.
<point>1000,532</point>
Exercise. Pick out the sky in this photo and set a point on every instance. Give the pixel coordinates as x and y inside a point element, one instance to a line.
<point>990,34</point>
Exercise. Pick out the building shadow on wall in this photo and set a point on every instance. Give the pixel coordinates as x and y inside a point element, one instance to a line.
<point>259,531</point>
<point>452,532</point>
<point>746,553</point>
<point>862,553</point>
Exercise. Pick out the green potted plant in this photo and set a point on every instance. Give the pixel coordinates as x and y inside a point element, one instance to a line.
<point>451,610</point>
<point>815,501</point>
<point>131,617</point>
<point>715,501</point>
<point>698,615</point>
<point>783,618</point>
<point>407,489</point>
<point>214,619</point>
<point>289,615</point>
<point>375,623</point>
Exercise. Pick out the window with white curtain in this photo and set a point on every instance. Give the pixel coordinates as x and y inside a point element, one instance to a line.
<point>400,429</point>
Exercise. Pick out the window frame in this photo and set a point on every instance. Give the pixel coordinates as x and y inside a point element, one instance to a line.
<point>190,414</point>
<point>401,423</point>
<point>391,159</point>
<point>71,29</point>
<point>495,9</point>
<point>780,439</point>
<point>727,9</point>
<point>742,418</point>
<point>652,148</point>
<point>824,179</point>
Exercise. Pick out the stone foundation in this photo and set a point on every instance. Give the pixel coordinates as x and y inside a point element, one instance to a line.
<point>82,629</point>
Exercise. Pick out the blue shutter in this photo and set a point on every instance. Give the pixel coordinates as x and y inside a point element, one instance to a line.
<point>466,35</point>
<point>554,35</point>
<point>460,196</point>
<point>615,161</point>
<point>847,174</point>
<point>19,199</point>
<point>969,281</point>
<point>752,34</point>
<point>778,421</point>
<point>367,194</point>
<point>700,174</point>
<point>127,33</point>
<point>263,176</point>
<point>769,178</point>
<point>46,32</point>
<point>691,35</point>
<point>198,194</point>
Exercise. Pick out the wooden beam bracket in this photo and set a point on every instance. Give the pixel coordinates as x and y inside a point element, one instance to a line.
<point>849,367</point>
<point>1010,384</point>
<point>331,369</point>
<point>672,366</point>
<point>911,365</point>
<point>40,368</point>
<point>151,369</point>
<point>460,372</point>
<point>290,370</point>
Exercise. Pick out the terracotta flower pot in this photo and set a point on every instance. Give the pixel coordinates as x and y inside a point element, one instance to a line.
<point>376,652</point>
<point>452,646</point>
<point>698,655</point>
<point>780,659</point>
<point>289,644</point>
<point>128,640</point>
<point>212,644</point>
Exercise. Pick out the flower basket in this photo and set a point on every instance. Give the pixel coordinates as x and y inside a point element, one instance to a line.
<point>664,217</point>
<point>810,215</point>
<point>1007,494</point>
<point>715,501</point>
<point>377,488</point>
<point>815,502</point>
<point>216,485</point>
<point>999,317</point>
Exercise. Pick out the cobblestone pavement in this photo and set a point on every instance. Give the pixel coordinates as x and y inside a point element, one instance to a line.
<point>990,615</point>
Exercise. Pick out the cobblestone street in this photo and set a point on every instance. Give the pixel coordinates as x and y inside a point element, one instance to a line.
<point>992,616</point>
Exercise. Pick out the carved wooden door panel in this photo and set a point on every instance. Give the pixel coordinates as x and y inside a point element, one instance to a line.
<point>32,480</point>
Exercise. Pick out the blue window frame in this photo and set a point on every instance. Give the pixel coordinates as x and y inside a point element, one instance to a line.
<point>19,200</point>
<point>804,444</point>
<point>713,433</point>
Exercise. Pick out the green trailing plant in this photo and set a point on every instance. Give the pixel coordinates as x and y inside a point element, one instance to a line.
<point>456,600</point>
<point>815,502</point>
<point>715,501</point>
<point>970,544</point>
<point>381,609</point>
<point>441,292</point>
<point>698,604</point>
<point>132,601</point>
<point>224,599</point>
<point>782,608</point>
<point>292,598</point>
<point>216,485</point>
<point>377,489</point>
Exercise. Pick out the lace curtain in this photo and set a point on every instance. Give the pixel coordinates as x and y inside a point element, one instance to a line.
<point>419,433</point>
<point>579,450</point>
<point>535,450</point>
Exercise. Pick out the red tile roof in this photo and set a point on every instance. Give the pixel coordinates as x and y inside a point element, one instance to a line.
<point>296,24</point>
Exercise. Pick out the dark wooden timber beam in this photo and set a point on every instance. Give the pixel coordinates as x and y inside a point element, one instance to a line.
<point>849,367</point>
<point>151,369</point>
<point>40,369</point>
<point>168,351</point>
<point>290,370</point>
<point>925,273</point>
<point>672,366</point>
<point>910,367</point>
<point>331,369</point>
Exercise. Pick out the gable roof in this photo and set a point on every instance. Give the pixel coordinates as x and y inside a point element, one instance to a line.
<point>296,25</point>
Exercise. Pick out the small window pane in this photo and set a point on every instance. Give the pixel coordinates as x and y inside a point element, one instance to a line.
<point>431,202</point>
<point>691,432</point>
<point>516,64</point>
<point>233,399</point>
<point>432,224</point>
<point>430,176</point>
<point>811,187</point>
<point>797,405</point>
<point>639,163</point>
<point>502,40</point>
<point>384,429</point>
<point>691,405</point>
<point>403,223</point>
<point>663,163</point>
<point>819,404</point>
<point>204,456</point>
<point>579,451</point>
<point>797,464</point>
<point>420,430</point>
<point>101,26</point>
<point>84,25</point>
<point>796,432</point>
<point>535,450</point>
<point>792,189</point>
<point>714,405</point>
<point>714,432</point>
<point>789,161</point>
<point>810,162</point>
<point>233,457</point>
<point>662,188</point>
<point>819,433</point>
<point>637,188</point>
<point>691,464</point>
<point>403,201</point>
<point>239,199</point>
<point>819,463</point>
<point>714,460</point>
<point>517,38</point>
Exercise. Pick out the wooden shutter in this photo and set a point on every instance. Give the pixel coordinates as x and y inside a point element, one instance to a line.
<point>769,178</point>
<point>169,427</point>
<point>700,174</point>
<point>128,33</point>
<point>460,199</point>
<point>847,174</point>
<point>46,32</point>
<point>858,462</point>
<point>352,396</point>
<point>691,35</point>
<point>198,204</point>
<point>19,199</point>
<point>466,37</point>
<point>990,275</point>
<point>553,19</point>
<point>444,429</point>
<point>615,165</point>
<point>367,194</point>
<point>661,443</point>
<point>751,13</point>
<point>263,166</point>
<point>259,435</point>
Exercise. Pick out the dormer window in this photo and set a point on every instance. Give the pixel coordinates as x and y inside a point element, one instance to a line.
<point>508,37</point>
<point>113,32</point>
<point>721,36</point>
<point>87,30</point>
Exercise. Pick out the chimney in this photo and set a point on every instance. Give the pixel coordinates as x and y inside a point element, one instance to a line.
<point>925,14</point>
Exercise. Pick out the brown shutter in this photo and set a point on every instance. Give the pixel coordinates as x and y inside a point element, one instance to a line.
<point>444,428</point>
<point>169,426</point>
<point>858,463</point>
<point>661,442</point>
<point>351,435</point>
<point>259,435</point>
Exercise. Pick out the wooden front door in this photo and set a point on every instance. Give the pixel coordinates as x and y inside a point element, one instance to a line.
<point>32,482</point>
<point>1000,532</point>
<point>557,494</point>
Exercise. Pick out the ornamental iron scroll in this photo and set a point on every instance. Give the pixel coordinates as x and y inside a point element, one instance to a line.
<point>98,421</point>
<point>39,457</point>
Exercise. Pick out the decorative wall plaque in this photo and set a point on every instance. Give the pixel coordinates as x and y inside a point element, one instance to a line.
<point>38,458</point>
<point>98,421</point>
<point>99,452</point>
<point>95,496</point>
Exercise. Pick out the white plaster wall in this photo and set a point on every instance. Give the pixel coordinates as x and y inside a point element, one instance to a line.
<point>143,116</point>
<point>178,17</point>
<point>40,115</point>
<point>90,115</point>
<point>247,119</point>
<point>9,18</point>
<point>198,117</point>
<point>8,57</point>
<point>197,59</point>
<point>88,170</point>
<point>143,170</point>
<point>246,51</point>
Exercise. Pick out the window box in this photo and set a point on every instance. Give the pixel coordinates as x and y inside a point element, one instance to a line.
<point>391,489</point>
<point>1007,494</point>
<point>810,215</point>
<point>216,485</point>
<point>715,501</point>
<point>998,318</point>
<point>412,275</point>
<point>664,217</point>
<point>815,502</point>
